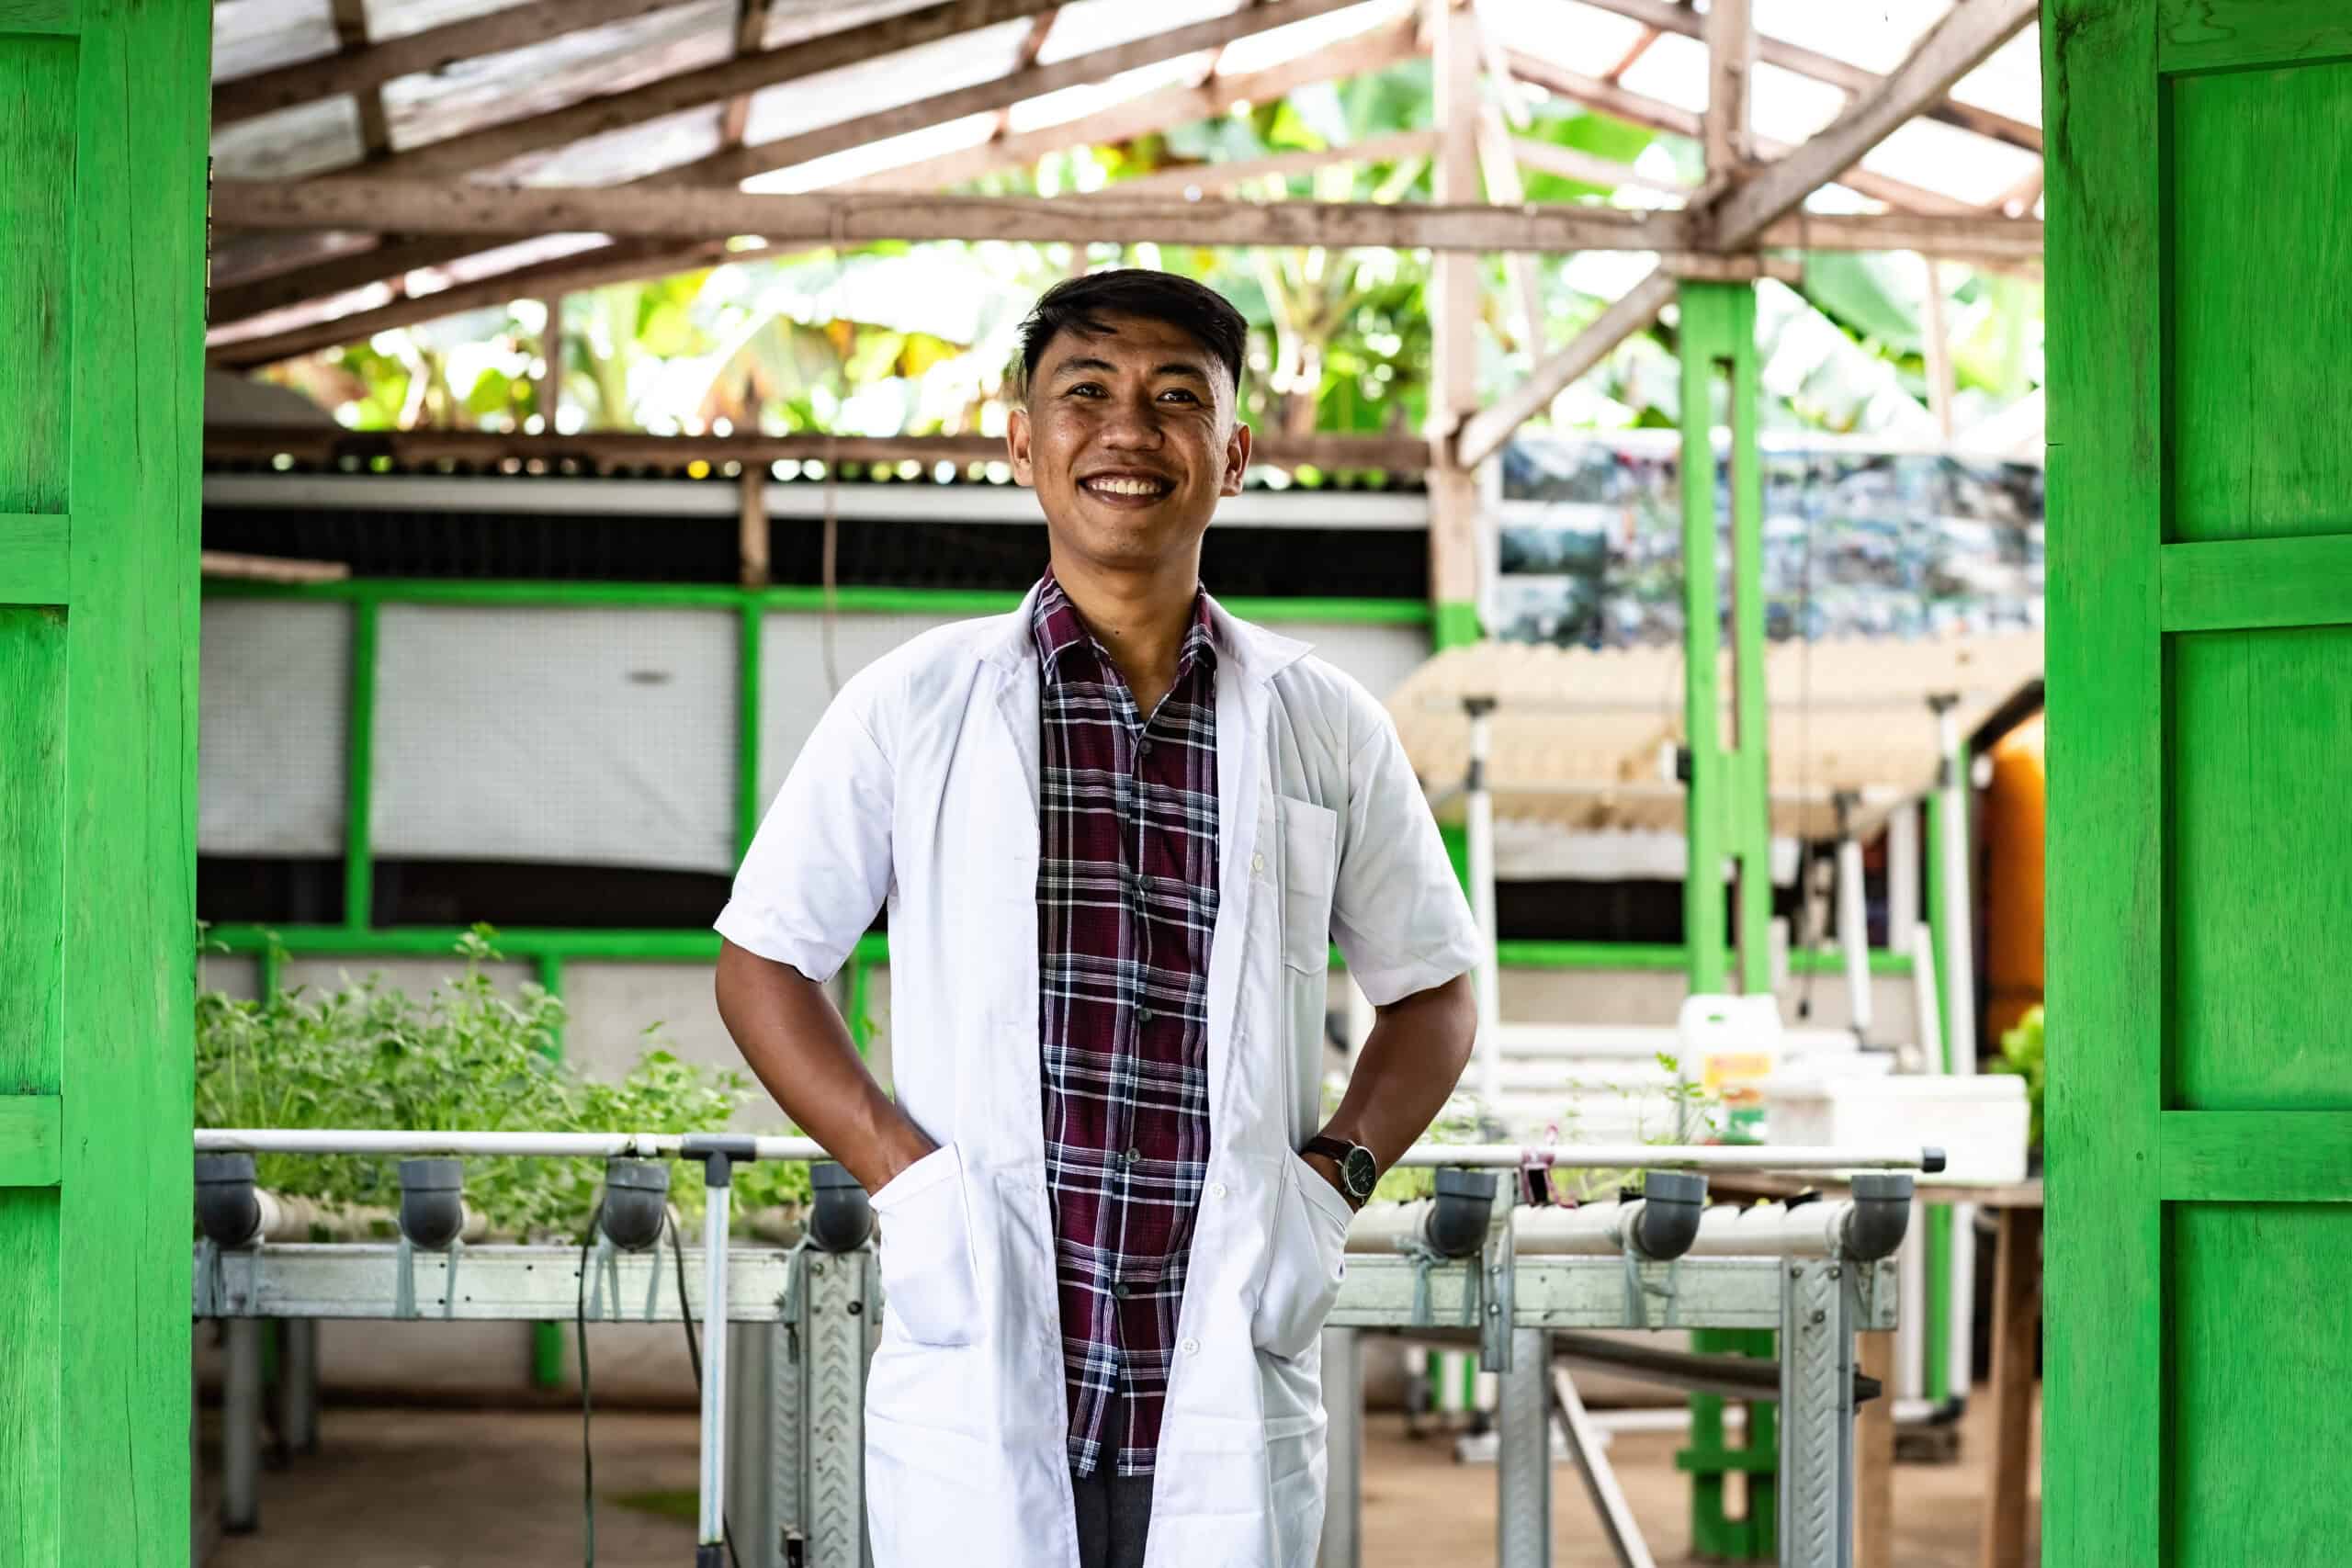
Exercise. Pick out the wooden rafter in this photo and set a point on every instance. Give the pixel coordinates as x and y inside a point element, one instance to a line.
<point>1485,431</point>
<point>326,448</point>
<point>496,144</point>
<point>1667,15</point>
<point>1026,59</point>
<point>1656,114</point>
<point>351,31</point>
<point>728,167</point>
<point>359,70</point>
<point>822,216</point>
<point>1644,41</point>
<point>1395,148</point>
<point>1373,50</point>
<point>751,31</point>
<point>1953,48</point>
<point>1731,49</point>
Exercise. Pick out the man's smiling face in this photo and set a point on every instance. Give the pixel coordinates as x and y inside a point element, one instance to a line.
<point>1129,439</point>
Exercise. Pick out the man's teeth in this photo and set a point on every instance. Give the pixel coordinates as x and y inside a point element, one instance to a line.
<point>1126,487</point>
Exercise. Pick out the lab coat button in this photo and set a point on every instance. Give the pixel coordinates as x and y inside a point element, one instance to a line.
<point>1189,1346</point>
<point>1217,1188</point>
<point>1257,865</point>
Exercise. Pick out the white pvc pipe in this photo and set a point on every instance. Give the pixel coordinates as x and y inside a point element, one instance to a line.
<point>559,1145</point>
<point>713,1494</point>
<point>1567,1157</point>
<point>1479,813</point>
<point>1959,912</point>
<point>1601,1230</point>
<point>1854,934</point>
<point>1923,999</point>
<point>1640,1041</point>
<point>1902,876</point>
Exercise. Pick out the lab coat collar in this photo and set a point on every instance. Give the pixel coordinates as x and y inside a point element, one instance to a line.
<point>1256,653</point>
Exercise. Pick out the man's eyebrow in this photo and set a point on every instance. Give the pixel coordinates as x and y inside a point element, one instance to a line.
<point>1104,367</point>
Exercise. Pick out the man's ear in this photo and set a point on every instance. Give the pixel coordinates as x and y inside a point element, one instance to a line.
<point>1237,459</point>
<point>1016,447</point>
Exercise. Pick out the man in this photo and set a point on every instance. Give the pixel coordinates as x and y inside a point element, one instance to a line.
<point>1116,830</point>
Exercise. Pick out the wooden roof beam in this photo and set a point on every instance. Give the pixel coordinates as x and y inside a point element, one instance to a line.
<point>1724,133</point>
<point>1669,17</point>
<point>496,144</point>
<point>1953,48</point>
<point>1484,433</point>
<point>358,69</point>
<point>728,167</point>
<point>1395,148</point>
<point>826,217</point>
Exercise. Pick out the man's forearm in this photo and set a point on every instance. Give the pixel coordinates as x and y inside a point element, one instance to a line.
<point>1408,1066</point>
<point>792,1038</point>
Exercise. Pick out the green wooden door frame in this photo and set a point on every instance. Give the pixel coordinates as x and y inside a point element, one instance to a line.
<point>104,125</point>
<point>2199,1115</point>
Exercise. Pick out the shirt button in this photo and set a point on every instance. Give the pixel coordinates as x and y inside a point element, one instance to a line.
<point>1132,1155</point>
<point>1142,1016</point>
<point>1119,1290</point>
<point>1189,1346</point>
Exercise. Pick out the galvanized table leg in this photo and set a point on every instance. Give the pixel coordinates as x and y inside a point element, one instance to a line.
<point>750,1410</point>
<point>1523,1453</point>
<point>1609,1502</point>
<point>298,1386</point>
<point>241,1427</point>
<point>1816,1416</point>
<point>836,1345</point>
<point>1343,1438</point>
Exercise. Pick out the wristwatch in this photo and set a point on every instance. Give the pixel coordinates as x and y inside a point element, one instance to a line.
<point>1358,1171</point>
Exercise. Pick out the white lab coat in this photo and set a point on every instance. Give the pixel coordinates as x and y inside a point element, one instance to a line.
<point>919,785</point>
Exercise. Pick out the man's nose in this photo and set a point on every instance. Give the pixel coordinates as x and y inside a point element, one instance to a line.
<point>1130,423</point>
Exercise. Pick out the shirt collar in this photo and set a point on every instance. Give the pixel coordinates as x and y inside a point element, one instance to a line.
<point>1056,627</point>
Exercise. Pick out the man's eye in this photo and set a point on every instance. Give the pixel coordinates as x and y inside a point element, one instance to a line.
<point>1180,392</point>
<point>1086,390</point>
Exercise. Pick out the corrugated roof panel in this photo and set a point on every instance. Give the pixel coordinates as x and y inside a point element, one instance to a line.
<point>1086,25</point>
<point>884,81</point>
<point>1948,159</point>
<point>2010,81</point>
<point>1580,36</point>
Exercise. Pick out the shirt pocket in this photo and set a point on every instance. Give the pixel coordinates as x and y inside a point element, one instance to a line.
<point>1310,870</point>
<point>928,1281</point>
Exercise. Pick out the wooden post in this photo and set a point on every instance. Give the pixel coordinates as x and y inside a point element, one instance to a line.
<point>104,128</point>
<point>1938,346</point>
<point>1453,325</point>
<point>1874,1467</point>
<point>752,529</point>
<point>2016,1337</point>
<point>550,392</point>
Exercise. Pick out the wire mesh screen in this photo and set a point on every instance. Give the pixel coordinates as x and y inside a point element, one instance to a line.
<point>589,736</point>
<point>272,701</point>
<point>795,686</point>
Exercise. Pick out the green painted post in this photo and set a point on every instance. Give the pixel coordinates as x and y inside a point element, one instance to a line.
<point>747,727</point>
<point>1703,328</point>
<point>1455,624</point>
<point>1935,1341</point>
<point>269,965</point>
<point>1750,804</point>
<point>359,765</point>
<point>103,109</point>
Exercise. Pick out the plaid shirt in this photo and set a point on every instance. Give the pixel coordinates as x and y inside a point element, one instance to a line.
<point>1126,896</point>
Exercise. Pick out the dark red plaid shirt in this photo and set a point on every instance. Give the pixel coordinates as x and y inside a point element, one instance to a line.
<point>1126,896</point>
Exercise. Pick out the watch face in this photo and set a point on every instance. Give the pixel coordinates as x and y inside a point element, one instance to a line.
<point>1359,1172</point>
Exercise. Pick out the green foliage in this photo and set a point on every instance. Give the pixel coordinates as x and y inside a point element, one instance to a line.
<point>2021,1052</point>
<point>464,1058</point>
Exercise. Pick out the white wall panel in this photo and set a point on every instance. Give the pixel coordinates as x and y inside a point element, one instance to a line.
<point>586,736</point>
<point>273,685</point>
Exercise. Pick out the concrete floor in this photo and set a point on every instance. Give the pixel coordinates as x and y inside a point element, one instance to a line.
<point>439,1489</point>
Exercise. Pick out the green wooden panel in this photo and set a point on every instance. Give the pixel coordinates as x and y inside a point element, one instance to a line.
<point>33,565</point>
<point>30,1523</point>
<point>2258,1354</point>
<point>38,16</point>
<point>2256,1156</point>
<point>36,76</point>
<point>2103,1354</point>
<point>2206,35</point>
<point>30,1131</point>
<point>32,847</point>
<point>2232,584</point>
<point>359,773</point>
<point>2259,254</point>
<point>2258,904</point>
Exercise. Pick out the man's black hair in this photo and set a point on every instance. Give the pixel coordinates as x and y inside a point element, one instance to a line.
<point>1081,304</point>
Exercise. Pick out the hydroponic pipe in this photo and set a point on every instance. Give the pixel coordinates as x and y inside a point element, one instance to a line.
<point>650,1145</point>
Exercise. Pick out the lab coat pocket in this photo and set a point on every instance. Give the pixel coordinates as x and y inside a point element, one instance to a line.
<point>1310,871</point>
<point>1307,1260</point>
<point>929,1289</point>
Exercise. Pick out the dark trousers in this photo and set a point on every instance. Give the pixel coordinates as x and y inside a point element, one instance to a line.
<point>1114,1516</point>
